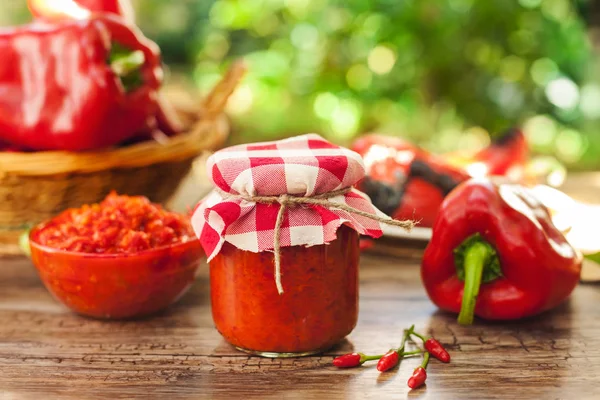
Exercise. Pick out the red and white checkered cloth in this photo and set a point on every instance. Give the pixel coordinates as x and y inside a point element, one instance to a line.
<point>305,165</point>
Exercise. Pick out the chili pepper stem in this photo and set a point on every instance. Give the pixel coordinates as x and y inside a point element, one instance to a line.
<point>425,360</point>
<point>476,256</point>
<point>370,358</point>
<point>394,356</point>
<point>405,336</point>
<point>412,353</point>
<point>423,338</point>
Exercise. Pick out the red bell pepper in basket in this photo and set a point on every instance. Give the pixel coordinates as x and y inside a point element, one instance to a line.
<point>123,8</point>
<point>58,10</point>
<point>76,86</point>
<point>166,119</point>
<point>495,253</point>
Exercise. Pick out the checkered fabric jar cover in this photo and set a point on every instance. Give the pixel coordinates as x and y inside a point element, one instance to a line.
<point>306,165</point>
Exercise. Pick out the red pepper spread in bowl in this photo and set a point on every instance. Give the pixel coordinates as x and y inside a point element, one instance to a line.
<point>119,224</point>
<point>124,257</point>
<point>281,233</point>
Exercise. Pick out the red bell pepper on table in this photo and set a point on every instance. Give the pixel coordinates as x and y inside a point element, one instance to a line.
<point>496,254</point>
<point>61,93</point>
<point>404,181</point>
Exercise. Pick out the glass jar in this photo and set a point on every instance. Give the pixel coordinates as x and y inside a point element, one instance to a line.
<point>319,306</point>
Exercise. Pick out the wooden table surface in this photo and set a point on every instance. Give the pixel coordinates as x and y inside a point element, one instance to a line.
<point>47,352</point>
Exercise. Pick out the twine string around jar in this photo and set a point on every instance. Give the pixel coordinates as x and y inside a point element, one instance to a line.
<point>286,200</point>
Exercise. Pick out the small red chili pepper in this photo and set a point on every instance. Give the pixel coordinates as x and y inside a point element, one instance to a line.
<point>436,349</point>
<point>392,357</point>
<point>388,361</point>
<point>383,366</point>
<point>353,360</point>
<point>348,360</point>
<point>419,374</point>
<point>418,378</point>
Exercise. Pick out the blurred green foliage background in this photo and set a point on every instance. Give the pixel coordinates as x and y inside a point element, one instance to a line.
<point>446,74</point>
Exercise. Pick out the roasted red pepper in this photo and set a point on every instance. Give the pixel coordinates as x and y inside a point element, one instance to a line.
<point>495,253</point>
<point>506,156</point>
<point>80,85</point>
<point>404,181</point>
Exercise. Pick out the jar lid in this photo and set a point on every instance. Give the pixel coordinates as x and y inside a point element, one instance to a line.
<point>307,175</point>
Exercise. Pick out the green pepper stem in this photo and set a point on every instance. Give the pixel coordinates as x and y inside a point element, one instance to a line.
<point>425,360</point>
<point>410,353</point>
<point>370,358</point>
<point>423,338</point>
<point>405,336</point>
<point>476,256</point>
<point>125,64</point>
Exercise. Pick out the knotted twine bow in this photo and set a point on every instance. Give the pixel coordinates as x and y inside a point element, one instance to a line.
<point>286,200</point>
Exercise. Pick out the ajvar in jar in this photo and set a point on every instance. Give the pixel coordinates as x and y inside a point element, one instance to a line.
<point>318,308</point>
<point>294,198</point>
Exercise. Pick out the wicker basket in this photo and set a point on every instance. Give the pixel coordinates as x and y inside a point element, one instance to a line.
<point>36,186</point>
